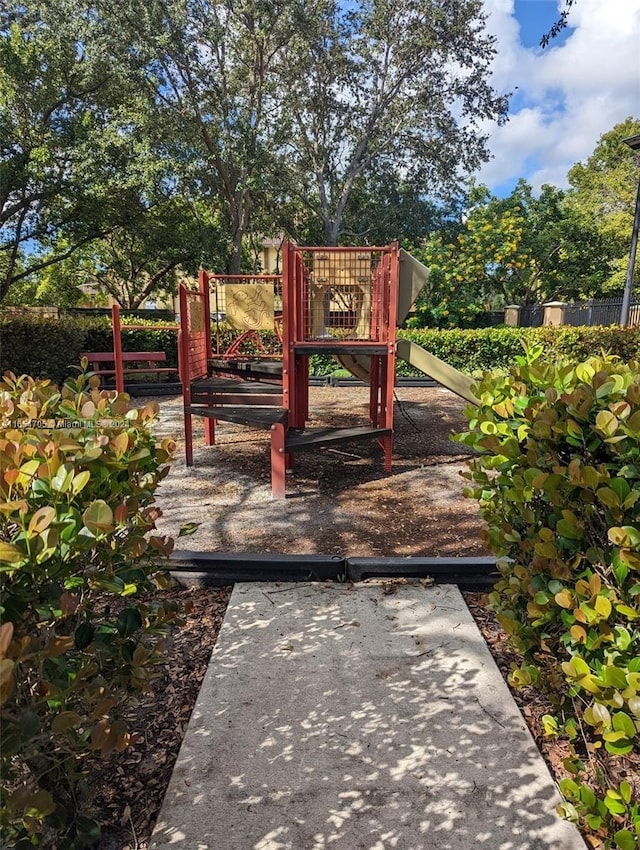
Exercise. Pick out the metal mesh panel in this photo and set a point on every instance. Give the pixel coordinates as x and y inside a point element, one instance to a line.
<point>339,300</point>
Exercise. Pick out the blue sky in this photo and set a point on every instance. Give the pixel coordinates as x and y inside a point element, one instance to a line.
<point>565,96</point>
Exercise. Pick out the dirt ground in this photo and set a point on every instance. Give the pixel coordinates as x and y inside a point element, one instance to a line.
<point>339,500</point>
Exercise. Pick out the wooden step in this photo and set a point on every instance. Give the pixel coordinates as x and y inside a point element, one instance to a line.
<point>258,417</point>
<point>213,391</point>
<point>315,438</point>
<point>229,385</point>
<point>334,346</point>
<point>260,369</point>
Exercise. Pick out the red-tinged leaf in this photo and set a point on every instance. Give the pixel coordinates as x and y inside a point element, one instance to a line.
<point>98,517</point>
<point>58,646</point>
<point>42,519</point>
<point>120,443</point>
<point>69,603</point>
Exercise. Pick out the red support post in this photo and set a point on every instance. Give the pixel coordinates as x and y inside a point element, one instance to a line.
<point>185,373</point>
<point>117,347</point>
<point>287,323</point>
<point>203,287</point>
<point>209,432</point>
<point>374,390</point>
<point>392,282</point>
<point>278,461</point>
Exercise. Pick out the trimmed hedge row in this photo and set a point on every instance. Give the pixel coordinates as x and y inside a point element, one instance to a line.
<point>486,349</point>
<point>49,348</point>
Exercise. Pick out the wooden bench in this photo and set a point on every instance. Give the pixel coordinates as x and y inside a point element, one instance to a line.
<point>148,359</point>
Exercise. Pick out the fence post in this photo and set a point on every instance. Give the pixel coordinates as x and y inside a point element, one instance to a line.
<point>512,315</point>
<point>554,313</point>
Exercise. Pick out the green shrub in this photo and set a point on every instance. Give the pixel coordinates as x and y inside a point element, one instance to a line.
<point>51,348</point>
<point>450,314</point>
<point>485,349</point>
<point>45,347</point>
<point>76,515</point>
<point>557,478</point>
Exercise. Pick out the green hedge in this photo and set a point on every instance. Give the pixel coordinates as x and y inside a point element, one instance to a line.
<point>486,349</point>
<point>49,348</point>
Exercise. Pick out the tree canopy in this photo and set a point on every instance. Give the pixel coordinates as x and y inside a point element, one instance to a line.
<point>603,192</point>
<point>520,249</point>
<point>141,139</point>
<point>277,116</point>
<point>387,90</point>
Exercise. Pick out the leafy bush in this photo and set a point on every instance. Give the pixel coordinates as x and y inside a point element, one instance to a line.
<point>485,349</point>
<point>45,347</point>
<point>450,314</point>
<point>49,348</point>
<point>557,478</point>
<point>76,516</point>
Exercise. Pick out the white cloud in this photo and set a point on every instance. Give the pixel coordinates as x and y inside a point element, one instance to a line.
<point>567,95</point>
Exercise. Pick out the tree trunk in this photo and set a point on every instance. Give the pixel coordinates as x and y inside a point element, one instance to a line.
<point>235,257</point>
<point>331,231</point>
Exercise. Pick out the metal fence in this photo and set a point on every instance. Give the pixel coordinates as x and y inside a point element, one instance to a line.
<point>531,316</point>
<point>605,311</point>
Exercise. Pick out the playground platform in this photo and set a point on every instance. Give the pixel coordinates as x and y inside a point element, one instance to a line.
<point>357,717</point>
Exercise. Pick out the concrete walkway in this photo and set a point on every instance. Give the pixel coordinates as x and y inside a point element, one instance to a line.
<point>348,718</point>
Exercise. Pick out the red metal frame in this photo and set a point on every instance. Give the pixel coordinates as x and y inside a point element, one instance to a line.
<point>185,372</point>
<point>203,289</point>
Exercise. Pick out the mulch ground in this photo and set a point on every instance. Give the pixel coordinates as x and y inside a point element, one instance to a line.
<point>127,789</point>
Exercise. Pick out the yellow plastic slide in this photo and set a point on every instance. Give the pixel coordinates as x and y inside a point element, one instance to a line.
<point>413,276</point>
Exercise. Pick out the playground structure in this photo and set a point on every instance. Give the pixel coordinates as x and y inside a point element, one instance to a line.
<point>346,302</point>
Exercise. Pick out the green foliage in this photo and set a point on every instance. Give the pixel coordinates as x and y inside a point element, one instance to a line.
<point>451,312</point>
<point>515,250</point>
<point>46,347</point>
<point>49,348</point>
<point>602,196</point>
<point>557,478</point>
<point>602,812</point>
<point>76,516</point>
<point>65,175</point>
<point>358,71</point>
<point>492,348</point>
